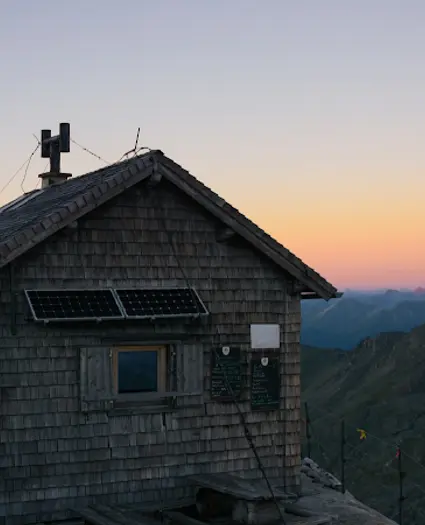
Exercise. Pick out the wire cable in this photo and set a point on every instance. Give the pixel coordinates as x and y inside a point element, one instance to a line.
<point>369,434</point>
<point>387,465</point>
<point>27,167</point>
<point>87,150</point>
<point>373,436</point>
<point>226,380</point>
<point>12,178</point>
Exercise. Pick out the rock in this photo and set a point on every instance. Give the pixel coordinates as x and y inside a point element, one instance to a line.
<point>318,475</point>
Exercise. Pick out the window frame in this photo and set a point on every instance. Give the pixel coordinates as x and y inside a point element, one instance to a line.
<point>162,372</point>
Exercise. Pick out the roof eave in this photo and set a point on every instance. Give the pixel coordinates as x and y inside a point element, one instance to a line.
<point>303,273</point>
<point>141,169</point>
<point>313,295</point>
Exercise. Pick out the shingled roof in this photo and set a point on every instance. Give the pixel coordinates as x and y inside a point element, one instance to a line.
<point>36,216</point>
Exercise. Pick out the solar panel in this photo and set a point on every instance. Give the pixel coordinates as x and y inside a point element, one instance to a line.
<point>161,302</point>
<point>73,305</point>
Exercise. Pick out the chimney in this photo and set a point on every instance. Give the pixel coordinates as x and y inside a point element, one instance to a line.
<point>52,147</point>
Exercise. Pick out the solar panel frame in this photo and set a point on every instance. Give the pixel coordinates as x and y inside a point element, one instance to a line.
<point>117,303</point>
<point>203,309</point>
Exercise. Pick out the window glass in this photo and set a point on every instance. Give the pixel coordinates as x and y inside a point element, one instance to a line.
<point>137,372</point>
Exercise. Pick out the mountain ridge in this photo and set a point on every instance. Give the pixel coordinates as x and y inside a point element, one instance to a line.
<point>343,323</point>
<point>379,387</point>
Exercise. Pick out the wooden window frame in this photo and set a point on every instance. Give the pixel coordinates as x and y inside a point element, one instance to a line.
<point>162,371</point>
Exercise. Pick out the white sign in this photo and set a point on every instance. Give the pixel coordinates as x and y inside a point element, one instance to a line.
<point>265,336</point>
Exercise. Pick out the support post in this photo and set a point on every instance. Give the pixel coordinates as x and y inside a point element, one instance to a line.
<point>343,441</point>
<point>401,496</point>
<point>307,430</point>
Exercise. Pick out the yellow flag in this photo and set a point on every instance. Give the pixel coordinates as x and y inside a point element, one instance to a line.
<point>362,433</point>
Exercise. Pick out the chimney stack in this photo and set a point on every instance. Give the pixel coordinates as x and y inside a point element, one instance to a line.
<point>52,147</point>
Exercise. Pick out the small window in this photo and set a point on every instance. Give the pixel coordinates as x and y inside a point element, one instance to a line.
<point>140,370</point>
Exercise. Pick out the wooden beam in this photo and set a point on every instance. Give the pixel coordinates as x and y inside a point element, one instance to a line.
<point>225,234</point>
<point>309,295</point>
<point>297,288</point>
<point>148,338</point>
<point>123,518</point>
<point>155,179</point>
<point>73,225</point>
<point>182,519</point>
<point>151,507</point>
<point>71,228</point>
<point>94,518</point>
<point>313,295</point>
<point>152,396</point>
<point>233,485</point>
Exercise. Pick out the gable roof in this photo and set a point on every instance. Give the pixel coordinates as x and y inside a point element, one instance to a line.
<point>36,216</point>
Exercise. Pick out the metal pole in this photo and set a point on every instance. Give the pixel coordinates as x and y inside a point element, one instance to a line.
<point>343,456</point>
<point>400,480</point>
<point>307,430</point>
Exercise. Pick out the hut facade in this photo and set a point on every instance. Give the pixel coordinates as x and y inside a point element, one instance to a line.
<point>147,330</point>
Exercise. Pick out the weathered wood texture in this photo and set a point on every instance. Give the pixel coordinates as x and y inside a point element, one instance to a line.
<point>54,456</point>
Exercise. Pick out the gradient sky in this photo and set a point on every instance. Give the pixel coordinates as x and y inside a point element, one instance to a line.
<point>307,115</point>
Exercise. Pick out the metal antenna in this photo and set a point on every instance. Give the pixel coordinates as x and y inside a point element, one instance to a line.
<point>52,147</point>
<point>137,140</point>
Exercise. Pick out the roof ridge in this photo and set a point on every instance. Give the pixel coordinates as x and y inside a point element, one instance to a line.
<point>70,200</point>
<point>69,208</point>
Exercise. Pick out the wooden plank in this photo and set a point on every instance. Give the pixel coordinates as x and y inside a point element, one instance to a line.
<point>314,520</point>
<point>297,509</point>
<point>155,506</point>
<point>124,518</point>
<point>96,384</point>
<point>182,519</point>
<point>152,396</point>
<point>190,360</point>
<point>248,490</point>
<point>225,234</point>
<point>91,516</point>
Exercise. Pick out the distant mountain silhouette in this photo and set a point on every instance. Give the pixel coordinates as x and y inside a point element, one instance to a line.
<point>343,323</point>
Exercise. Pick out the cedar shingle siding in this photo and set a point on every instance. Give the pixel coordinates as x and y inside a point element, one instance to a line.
<point>60,452</point>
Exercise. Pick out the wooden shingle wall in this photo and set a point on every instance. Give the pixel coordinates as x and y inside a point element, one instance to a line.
<point>54,456</point>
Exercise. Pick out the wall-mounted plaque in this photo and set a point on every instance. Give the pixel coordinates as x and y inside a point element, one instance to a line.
<point>265,336</point>
<point>265,383</point>
<point>226,371</point>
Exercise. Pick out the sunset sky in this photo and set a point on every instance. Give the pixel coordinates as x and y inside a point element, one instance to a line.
<point>307,115</point>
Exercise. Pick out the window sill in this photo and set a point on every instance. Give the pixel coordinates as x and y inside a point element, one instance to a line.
<point>154,403</point>
<point>151,403</point>
<point>135,409</point>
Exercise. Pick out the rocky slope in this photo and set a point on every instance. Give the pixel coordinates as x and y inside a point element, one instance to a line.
<point>379,387</point>
<point>322,497</point>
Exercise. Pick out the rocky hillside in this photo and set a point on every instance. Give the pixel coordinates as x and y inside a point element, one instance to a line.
<point>379,387</point>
